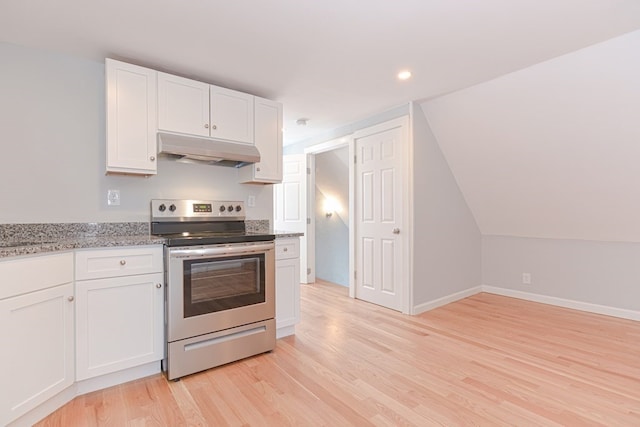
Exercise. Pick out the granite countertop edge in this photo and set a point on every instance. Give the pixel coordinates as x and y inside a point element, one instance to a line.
<point>66,244</point>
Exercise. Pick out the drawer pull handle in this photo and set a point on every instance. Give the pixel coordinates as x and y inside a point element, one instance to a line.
<point>122,262</point>
<point>285,249</point>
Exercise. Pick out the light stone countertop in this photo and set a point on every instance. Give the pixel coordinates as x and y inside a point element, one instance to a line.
<point>45,238</point>
<point>32,248</point>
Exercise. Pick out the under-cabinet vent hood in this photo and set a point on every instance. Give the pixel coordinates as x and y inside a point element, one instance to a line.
<point>197,149</point>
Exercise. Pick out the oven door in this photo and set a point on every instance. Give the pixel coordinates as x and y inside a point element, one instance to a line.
<point>217,287</point>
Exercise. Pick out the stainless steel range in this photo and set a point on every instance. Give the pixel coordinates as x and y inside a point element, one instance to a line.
<point>220,300</point>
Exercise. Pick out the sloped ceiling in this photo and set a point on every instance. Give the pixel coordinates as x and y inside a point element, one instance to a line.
<point>333,61</point>
<point>552,150</point>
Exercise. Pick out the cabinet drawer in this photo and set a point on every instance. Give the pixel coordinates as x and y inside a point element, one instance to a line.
<point>115,262</point>
<point>29,274</point>
<point>287,248</point>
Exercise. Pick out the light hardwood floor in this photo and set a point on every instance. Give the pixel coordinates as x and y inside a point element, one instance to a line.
<point>486,360</point>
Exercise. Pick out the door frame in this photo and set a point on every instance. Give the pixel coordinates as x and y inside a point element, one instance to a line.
<point>345,141</point>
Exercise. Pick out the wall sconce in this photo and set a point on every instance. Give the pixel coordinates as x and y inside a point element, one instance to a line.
<point>330,206</point>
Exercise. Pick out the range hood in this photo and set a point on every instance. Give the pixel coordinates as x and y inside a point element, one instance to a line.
<point>199,149</point>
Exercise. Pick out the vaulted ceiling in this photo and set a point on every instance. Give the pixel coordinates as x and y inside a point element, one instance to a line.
<point>552,150</point>
<point>331,61</point>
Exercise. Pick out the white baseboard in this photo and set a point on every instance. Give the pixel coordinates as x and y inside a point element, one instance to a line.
<point>430,305</point>
<point>544,299</point>
<point>115,378</point>
<point>285,331</point>
<point>83,387</point>
<point>567,303</point>
<point>45,408</point>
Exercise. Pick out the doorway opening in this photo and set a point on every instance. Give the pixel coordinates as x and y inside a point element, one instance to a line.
<point>330,192</point>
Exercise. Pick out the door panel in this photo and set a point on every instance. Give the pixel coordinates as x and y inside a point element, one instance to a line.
<point>380,206</point>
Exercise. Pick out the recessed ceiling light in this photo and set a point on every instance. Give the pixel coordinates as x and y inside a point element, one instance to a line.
<point>302,122</point>
<point>404,75</point>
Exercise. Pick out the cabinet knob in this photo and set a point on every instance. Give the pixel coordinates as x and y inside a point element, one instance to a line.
<point>122,262</point>
<point>396,231</point>
<point>158,285</point>
<point>214,127</point>
<point>206,126</point>
<point>70,299</point>
<point>258,169</point>
<point>152,158</point>
<point>285,249</point>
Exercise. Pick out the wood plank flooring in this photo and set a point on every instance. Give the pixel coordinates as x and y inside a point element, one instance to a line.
<point>485,360</point>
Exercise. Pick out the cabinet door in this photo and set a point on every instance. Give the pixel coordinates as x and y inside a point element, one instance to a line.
<point>287,292</point>
<point>231,115</point>
<point>268,140</point>
<point>183,105</point>
<point>131,118</point>
<point>119,323</point>
<point>36,361</point>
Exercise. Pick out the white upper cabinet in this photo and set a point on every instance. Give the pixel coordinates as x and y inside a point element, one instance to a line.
<point>183,105</point>
<point>131,118</point>
<point>268,140</point>
<point>231,115</point>
<point>196,108</point>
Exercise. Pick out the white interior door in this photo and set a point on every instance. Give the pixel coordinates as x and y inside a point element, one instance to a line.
<point>290,201</point>
<point>380,205</point>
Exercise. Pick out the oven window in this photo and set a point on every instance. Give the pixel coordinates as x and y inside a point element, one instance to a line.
<point>218,284</point>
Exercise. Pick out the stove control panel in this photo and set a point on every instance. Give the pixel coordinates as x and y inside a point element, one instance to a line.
<point>186,210</point>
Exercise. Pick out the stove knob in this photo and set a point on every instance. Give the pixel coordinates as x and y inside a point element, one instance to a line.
<point>230,208</point>
<point>162,208</point>
<point>223,208</point>
<point>172,208</point>
<point>238,208</point>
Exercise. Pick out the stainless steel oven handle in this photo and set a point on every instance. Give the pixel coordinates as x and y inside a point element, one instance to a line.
<point>208,251</point>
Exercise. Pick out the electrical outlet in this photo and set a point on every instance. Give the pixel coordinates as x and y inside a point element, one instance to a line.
<point>113,197</point>
<point>251,201</point>
<point>526,278</point>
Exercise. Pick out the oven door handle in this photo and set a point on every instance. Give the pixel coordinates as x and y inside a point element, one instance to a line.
<point>222,250</point>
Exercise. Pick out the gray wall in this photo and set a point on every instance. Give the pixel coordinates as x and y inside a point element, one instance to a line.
<point>447,241</point>
<point>299,146</point>
<point>603,273</point>
<point>52,117</point>
<point>332,233</point>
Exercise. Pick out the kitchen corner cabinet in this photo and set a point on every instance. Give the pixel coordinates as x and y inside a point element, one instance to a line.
<point>36,314</point>
<point>287,285</point>
<point>131,118</point>
<point>195,108</point>
<point>119,309</point>
<point>268,141</point>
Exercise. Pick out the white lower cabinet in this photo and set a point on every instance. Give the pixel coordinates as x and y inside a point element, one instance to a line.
<point>119,317</point>
<point>287,285</point>
<point>36,361</point>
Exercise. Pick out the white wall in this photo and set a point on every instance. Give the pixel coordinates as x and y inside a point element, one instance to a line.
<point>552,150</point>
<point>446,240</point>
<point>547,159</point>
<point>52,115</point>
<point>601,273</point>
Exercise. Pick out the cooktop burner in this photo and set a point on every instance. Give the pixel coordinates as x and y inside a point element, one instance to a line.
<point>201,222</point>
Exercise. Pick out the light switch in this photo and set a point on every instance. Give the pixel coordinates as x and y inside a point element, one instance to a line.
<point>251,201</point>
